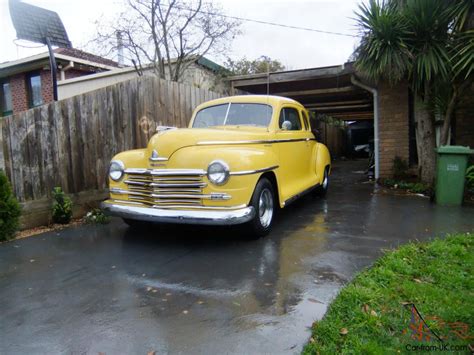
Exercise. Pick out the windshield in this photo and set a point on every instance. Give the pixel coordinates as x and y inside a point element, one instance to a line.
<point>234,114</point>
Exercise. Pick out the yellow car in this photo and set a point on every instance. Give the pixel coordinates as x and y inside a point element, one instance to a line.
<point>241,158</point>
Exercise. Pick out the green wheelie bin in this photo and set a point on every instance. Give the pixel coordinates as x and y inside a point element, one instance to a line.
<point>450,175</point>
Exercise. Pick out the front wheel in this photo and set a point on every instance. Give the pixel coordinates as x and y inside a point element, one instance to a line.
<point>263,201</point>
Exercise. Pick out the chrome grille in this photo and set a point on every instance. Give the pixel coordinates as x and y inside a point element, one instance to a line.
<point>165,187</point>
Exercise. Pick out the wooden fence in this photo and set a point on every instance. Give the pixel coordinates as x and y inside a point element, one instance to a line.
<point>69,143</point>
<point>333,137</point>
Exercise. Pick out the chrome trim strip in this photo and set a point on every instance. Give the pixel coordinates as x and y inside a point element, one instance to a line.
<point>211,196</point>
<point>158,159</point>
<point>162,215</point>
<point>266,141</point>
<point>159,184</point>
<point>249,172</point>
<point>166,172</point>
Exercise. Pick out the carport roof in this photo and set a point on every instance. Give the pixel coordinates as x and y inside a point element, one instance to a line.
<point>325,90</point>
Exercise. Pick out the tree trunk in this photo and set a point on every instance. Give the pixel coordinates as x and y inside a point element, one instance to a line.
<point>444,137</point>
<point>426,142</point>
<point>453,101</point>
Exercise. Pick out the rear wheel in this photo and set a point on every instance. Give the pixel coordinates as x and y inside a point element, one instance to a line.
<point>323,189</point>
<point>263,201</point>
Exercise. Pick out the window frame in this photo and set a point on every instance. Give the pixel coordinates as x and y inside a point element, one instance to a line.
<point>299,117</point>
<point>4,112</point>
<point>228,104</point>
<point>29,89</point>
<point>305,117</point>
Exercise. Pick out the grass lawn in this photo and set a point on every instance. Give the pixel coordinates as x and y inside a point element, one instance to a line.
<point>373,314</point>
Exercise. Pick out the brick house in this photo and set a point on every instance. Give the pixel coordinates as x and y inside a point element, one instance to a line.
<point>26,83</point>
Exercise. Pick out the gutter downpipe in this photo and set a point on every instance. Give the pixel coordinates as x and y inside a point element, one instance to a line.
<point>376,122</point>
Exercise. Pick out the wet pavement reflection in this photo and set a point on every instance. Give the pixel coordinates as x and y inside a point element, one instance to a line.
<point>188,289</point>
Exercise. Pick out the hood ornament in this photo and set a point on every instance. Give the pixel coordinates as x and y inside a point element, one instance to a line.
<point>155,157</point>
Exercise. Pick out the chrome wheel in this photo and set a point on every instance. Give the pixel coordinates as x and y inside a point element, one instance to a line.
<point>265,207</point>
<point>325,181</point>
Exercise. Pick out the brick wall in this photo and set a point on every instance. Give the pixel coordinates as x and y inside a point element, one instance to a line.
<point>47,86</point>
<point>18,84</point>
<point>393,125</point>
<point>18,89</point>
<point>464,131</point>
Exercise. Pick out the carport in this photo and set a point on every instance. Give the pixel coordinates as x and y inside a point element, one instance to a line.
<point>334,91</point>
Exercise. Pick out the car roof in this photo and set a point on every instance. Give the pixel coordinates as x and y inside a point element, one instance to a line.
<point>258,99</point>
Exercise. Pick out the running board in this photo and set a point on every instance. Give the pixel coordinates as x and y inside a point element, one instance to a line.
<point>301,194</point>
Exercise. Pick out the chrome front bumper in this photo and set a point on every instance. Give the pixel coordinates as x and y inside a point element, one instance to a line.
<point>191,216</point>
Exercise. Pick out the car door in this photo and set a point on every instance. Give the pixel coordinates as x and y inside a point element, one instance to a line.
<point>295,150</point>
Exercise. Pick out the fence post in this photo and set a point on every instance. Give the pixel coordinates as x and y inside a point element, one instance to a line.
<point>2,158</point>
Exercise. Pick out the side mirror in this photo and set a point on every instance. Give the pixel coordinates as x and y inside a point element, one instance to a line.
<point>286,126</point>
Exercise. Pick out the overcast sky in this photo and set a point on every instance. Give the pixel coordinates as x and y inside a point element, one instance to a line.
<point>295,48</point>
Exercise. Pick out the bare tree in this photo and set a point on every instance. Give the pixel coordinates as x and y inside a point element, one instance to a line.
<point>167,35</point>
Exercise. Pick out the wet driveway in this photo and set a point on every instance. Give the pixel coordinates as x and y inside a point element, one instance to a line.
<point>112,290</point>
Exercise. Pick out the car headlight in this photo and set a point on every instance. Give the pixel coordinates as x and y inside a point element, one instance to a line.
<point>116,170</point>
<point>218,172</point>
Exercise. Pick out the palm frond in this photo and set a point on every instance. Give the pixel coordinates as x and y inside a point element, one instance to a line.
<point>382,52</point>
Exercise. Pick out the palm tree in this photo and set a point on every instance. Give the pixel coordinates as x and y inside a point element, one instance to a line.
<point>428,43</point>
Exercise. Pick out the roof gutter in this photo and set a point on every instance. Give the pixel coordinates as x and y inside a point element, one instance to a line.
<point>376,122</point>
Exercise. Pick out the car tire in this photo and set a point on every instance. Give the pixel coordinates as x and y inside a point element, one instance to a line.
<point>322,190</point>
<point>264,202</point>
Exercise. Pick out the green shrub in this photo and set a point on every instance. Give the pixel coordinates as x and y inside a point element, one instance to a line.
<point>62,207</point>
<point>470,177</point>
<point>96,216</point>
<point>400,168</point>
<point>9,209</point>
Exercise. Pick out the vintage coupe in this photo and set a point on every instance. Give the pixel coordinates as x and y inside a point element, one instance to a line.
<point>241,158</point>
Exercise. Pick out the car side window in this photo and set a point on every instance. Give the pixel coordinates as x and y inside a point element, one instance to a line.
<point>305,120</point>
<point>291,115</point>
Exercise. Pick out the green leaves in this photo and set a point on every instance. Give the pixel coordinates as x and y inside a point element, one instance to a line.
<point>383,52</point>
<point>463,55</point>
<point>9,209</point>
<point>62,207</point>
<point>424,41</point>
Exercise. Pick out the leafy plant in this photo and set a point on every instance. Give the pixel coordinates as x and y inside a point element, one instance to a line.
<point>400,168</point>
<point>9,209</point>
<point>427,44</point>
<point>96,216</point>
<point>414,187</point>
<point>62,207</point>
<point>470,177</point>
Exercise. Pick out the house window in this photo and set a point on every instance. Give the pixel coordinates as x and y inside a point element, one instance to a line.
<point>6,107</point>
<point>34,90</point>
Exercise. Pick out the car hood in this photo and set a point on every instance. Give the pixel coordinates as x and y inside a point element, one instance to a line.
<point>167,142</point>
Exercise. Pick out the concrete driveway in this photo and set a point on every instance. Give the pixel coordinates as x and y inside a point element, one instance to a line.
<point>112,290</point>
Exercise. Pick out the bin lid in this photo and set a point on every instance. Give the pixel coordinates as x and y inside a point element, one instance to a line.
<point>454,149</point>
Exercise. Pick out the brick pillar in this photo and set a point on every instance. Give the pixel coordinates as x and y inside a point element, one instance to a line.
<point>19,94</point>
<point>47,86</point>
<point>393,125</point>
